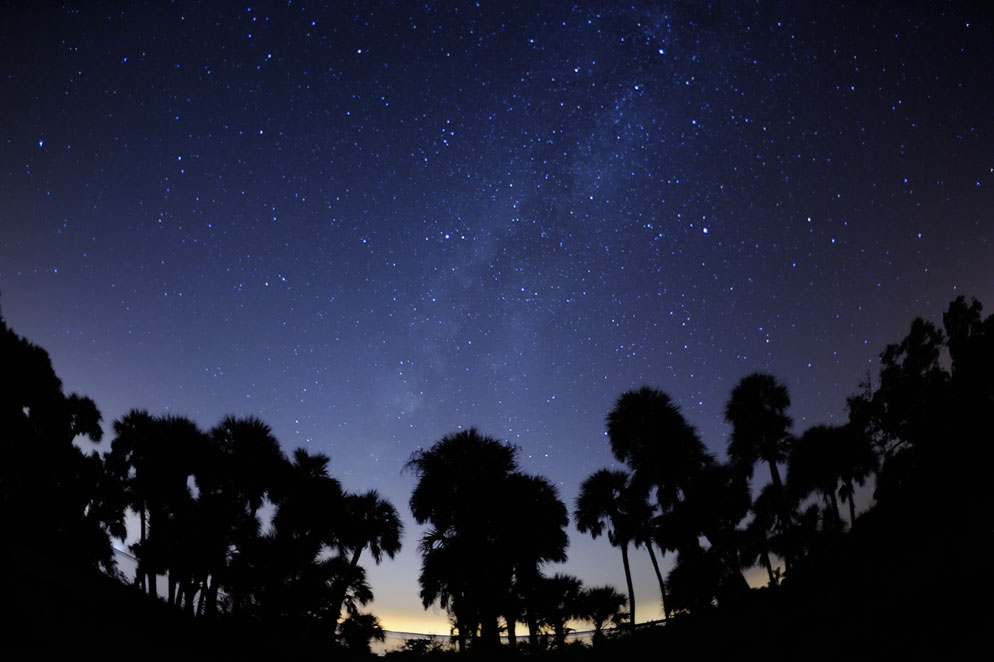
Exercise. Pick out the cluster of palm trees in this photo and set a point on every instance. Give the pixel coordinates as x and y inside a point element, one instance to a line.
<point>492,529</point>
<point>681,498</point>
<point>198,496</point>
<point>678,497</point>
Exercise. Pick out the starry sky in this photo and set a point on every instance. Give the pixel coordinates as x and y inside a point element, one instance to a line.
<point>372,224</point>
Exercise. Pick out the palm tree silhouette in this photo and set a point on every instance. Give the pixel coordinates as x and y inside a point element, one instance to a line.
<point>458,480</point>
<point>242,467</point>
<point>857,461</point>
<point>757,411</point>
<point>560,600</point>
<point>600,605</point>
<point>533,510</point>
<point>475,544</point>
<point>154,457</point>
<point>601,505</point>
<point>760,537</point>
<point>370,521</point>
<point>647,430</point>
<point>814,465</point>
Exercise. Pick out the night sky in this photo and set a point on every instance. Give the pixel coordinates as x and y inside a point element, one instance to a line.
<point>373,225</point>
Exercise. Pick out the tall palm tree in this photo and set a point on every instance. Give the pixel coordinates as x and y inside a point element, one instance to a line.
<point>242,466</point>
<point>857,462</point>
<point>154,458</point>
<point>760,535</point>
<point>647,430</point>
<point>757,411</point>
<point>533,510</point>
<point>600,507</point>
<point>372,522</point>
<point>813,465</point>
<point>464,552</point>
<point>644,533</point>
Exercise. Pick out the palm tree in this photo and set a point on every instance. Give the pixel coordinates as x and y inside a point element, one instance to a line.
<point>306,525</point>
<point>464,552</point>
<point>759,537</point>
<point>757,411</point>
<point>560,600</point>
<point>647,430</point>
<point>370,521</point>
<point>599,605</point>
<point>357,631</point>
<point>813,465</point>
<point>154,458</point>
<point>600,506</point>
<point>644,534</point>
<point>533,510</point>
<point>857,461</point>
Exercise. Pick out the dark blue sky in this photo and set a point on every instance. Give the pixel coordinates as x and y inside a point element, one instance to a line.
<point>372,225</point>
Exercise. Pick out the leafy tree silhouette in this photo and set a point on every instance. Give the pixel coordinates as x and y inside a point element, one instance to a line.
<point>53,496</point>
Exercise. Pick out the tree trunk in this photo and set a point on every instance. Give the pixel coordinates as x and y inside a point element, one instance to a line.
<point>769,567</point>
<point>339,597</point>
<point>784,516</point>
<point>489,631</point>
<point>835,507</point>
<point>560,634</point>
<point>512,636</point>
<point>631,589</point>
<point>852,505</point>
<point>532,632</point>
<point>141,577</point>
<point>659,577</point>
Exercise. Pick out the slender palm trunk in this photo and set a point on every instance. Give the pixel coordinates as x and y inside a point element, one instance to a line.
<point>659,577</point>
<point>489,632</point>
<point>560,628</point>
<point>769,567</point>
<point>512,636</point>
<point>141,577</point>
<point>835,507</point>
<point>631,588</point>
<point>852,504</point>
<point>339,596</point>
<point>211,603</point>
<point>532,631</point>
<point>785,522</point>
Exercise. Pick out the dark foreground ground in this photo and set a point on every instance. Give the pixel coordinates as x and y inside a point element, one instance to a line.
<point>929,602</point>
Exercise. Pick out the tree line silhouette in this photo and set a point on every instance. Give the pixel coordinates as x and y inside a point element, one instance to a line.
<point>922,434</point>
